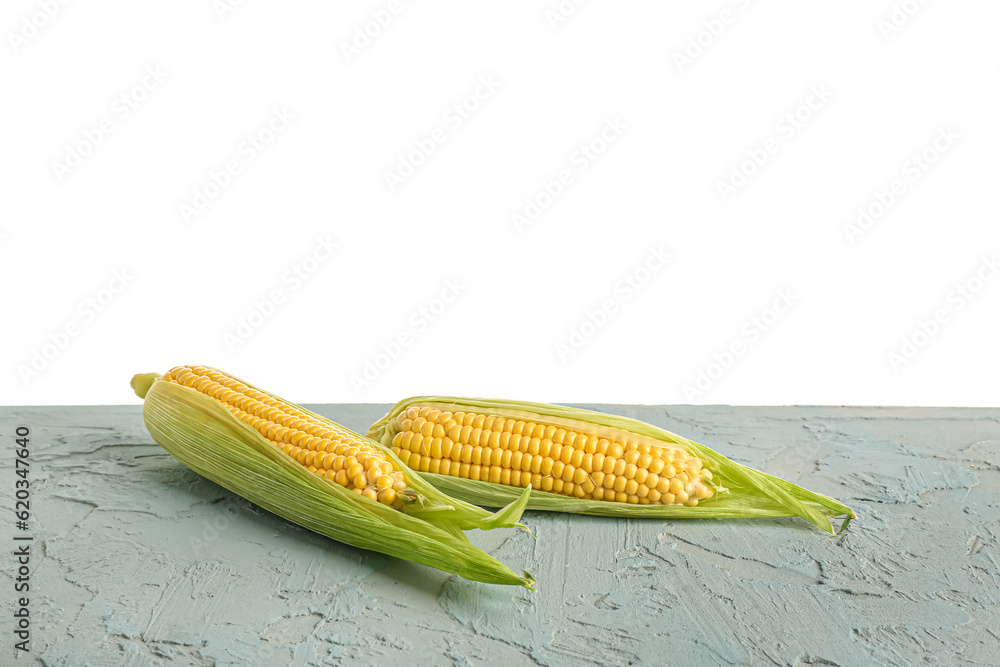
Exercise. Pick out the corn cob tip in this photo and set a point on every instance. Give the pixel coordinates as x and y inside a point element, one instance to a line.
<point>141,382</point>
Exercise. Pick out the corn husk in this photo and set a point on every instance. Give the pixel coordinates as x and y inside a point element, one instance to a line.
<point>741,492</point>
<point>203,435</point>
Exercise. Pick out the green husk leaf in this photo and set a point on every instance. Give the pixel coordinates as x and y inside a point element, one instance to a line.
<point>200,433</point>
<point>747,493</point>
<point>452,513</point>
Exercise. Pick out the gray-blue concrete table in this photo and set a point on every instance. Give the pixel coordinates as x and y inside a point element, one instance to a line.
<point>139,561</point>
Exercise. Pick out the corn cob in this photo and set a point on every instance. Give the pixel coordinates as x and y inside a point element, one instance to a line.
<point>564,457</point>
<point>325,448</point>
<point>582,461</point>
<point>316,473</point>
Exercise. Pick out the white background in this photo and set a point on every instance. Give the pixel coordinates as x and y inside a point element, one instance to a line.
<point>892,82</point>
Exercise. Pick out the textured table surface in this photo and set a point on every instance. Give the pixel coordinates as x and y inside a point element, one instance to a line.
<point>138,561</point>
